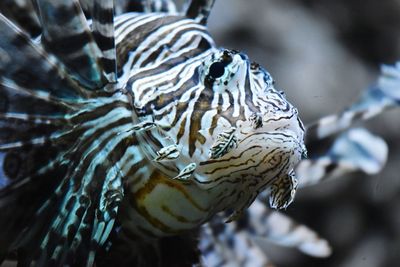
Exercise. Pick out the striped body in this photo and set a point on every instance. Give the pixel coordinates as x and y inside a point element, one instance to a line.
<point>166,78</point>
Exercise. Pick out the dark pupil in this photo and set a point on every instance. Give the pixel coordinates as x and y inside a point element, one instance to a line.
<point>217,69</point>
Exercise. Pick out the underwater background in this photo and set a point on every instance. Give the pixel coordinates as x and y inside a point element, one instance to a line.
<point>323,53</point>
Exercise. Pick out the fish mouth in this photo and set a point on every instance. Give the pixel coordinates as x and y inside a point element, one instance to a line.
<point>261,161</point>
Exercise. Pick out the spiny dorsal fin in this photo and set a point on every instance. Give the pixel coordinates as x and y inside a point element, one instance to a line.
<point>145,6</point>
<point>103,32</point>
<point>19,53</point>
<point>199,10</point>
<point>23,14</point>
<point>66,34</point>
<point>167,6</point>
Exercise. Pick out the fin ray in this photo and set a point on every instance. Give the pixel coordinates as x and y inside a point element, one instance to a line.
<point>66,34</point>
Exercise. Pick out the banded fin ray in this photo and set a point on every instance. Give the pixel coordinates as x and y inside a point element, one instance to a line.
<point>199,10</point>
<point>46,196</point>
<point>22,14</point>
<point>30,97</point>
<point>354,150</point>
<point>76,207</point>
<point>81,212</point>
<point>276,227</point>
<point>383,95</point>
<point>143,6</point>
<point>223,244</point>
<point>66,34</point>
<point>167,6</point>
<point>103,32</point>
<point>47,78</point>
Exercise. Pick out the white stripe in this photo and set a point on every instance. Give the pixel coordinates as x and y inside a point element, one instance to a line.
<point>130,26</point>
<point>146,48</point>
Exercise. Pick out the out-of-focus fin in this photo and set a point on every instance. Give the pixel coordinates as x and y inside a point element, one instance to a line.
<point>144,6</point>
<point>23,14</point>
<point>239,243</point>
<point>199,10</point>
<point>223,245</point>
<point>66,34</point>
<point>383,95</point>
<point>47,80</point>
<point>167,6</point>
<point>354,150</point>
<point>278,228</point>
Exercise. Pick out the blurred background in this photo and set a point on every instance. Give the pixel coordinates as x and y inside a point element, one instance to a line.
<point>323,53</point>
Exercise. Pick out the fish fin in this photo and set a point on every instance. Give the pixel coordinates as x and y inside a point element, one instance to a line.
<point>103,32</point>
<point>354,150</point>
<point>199,10</point>
<point>76,215</point>
<point>34,103</point>
<point>54,194</point>
<point>144,6</point>
<point>275,227</point>
<point>106,213</point>
<point>66,34</point>
<point>48,79</point>
<point>283,190</point>
<point>222,244</point>
<point>84,220</point>
<point>167,6</point>
<point>22,14</point>
<point>383,95</point>
<point>60,182</point>
<point>229,245</point>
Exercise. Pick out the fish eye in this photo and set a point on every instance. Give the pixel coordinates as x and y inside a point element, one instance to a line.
<point>216,70</point>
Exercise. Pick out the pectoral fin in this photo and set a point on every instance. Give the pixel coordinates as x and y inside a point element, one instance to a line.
<point>283,191</point>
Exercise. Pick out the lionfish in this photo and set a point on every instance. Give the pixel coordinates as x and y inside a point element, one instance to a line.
<point>122,124</point>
